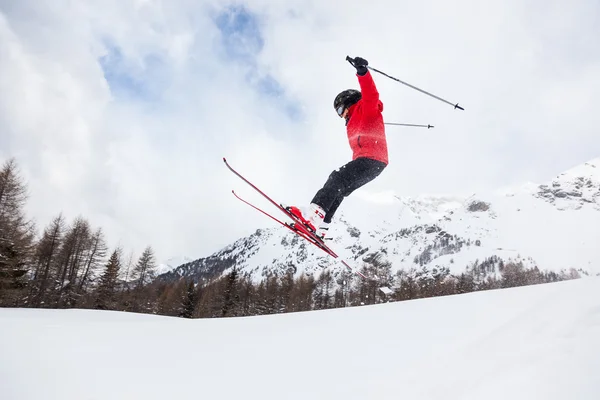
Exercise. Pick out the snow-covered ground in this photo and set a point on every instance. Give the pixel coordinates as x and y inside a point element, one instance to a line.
<point>536,342</point>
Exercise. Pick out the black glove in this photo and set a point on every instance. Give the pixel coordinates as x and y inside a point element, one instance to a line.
<point>360,64</point>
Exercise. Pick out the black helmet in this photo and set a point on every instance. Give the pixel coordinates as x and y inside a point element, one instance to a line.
<point>345,99</point>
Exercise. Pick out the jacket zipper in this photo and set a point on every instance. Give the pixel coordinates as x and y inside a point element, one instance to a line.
<point>359,142</point>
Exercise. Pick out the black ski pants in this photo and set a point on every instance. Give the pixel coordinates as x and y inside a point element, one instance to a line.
<point>344,181</point>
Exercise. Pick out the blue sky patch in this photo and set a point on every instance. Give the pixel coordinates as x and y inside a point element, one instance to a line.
<point>115,74</point>
<point>143,83</point>
<point>241,36</point>
<point>242,41</point>
<point>269,86</point>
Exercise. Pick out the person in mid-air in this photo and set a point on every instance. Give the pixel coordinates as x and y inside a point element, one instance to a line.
<point>366,133</point>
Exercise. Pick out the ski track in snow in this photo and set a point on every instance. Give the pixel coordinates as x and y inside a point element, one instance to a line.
<point>535,342</point>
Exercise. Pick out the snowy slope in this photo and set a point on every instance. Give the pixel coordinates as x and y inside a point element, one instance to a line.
<point>555,226</point>
<point>534,342</point>
<point>171,264</point>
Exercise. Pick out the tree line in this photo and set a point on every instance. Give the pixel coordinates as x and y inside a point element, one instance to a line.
<point>69,265</point>
<point>236,294</point>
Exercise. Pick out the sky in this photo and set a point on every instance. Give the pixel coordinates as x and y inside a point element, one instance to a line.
<point>121,111</point>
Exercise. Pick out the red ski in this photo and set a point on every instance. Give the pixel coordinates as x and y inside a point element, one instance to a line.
<point>294,227</point>
<point>297,226</point>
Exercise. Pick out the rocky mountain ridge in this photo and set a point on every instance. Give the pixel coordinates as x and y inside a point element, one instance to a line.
<point>554,226</point>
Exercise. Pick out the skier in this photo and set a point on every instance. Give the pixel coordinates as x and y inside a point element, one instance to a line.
<point>366,134</point>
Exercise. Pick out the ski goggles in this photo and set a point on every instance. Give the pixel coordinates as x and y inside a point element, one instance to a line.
<point>340,110</point>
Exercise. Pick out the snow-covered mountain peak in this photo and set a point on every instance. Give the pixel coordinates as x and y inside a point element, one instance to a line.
<point>376,211</point>
<point>172,263</point>
<point>555,226</point>
<point>432,207</point>
<point>575,188</point>
<point>588,170</point>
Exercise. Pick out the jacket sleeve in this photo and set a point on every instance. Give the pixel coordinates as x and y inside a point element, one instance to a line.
<point>370,95</point>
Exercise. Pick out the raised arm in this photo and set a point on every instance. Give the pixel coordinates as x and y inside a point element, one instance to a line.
<point>370,95</point>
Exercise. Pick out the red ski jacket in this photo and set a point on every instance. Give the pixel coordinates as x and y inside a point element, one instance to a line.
<point>365,128</point>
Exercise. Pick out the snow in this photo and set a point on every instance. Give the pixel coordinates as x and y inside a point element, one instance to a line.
<point>171,264</point>
<point>386,290</point>
<point>536,342</point>
<point>589,169</point>
<point>553,225</point>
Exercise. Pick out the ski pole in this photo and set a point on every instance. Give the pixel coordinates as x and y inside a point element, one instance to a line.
<point>350,60</point>
<point>415,125</point>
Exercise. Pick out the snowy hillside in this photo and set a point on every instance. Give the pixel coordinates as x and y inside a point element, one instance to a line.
<point>171,264</point>
<point>554,225</point>
<point>534,342</point>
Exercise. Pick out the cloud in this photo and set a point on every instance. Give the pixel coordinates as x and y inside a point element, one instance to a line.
<point>241,41</point>
<point>122,110</point>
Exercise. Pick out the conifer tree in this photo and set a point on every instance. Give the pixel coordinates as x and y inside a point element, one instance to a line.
<point>272,290</point>
<point>248,297</point>
<point>408,288</point>
<point>285,299</point>
<point>96,253</point>
<point>189,301</point>
<point>16,235</point>
<point>368,289</point>
<point>46,253</point>
<point>260,304</point>
<point>322,293</point>
<point>71,259</point>
<point>144,271</point>
<point>302,293</point>
<point>465,283</point>
<point>167,298</point>
<point>231,297</point>
<point>338,299</point>
<point>105,294</point>
<point>143,274</point>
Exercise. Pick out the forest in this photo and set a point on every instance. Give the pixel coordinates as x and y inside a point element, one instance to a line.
<point>68,264</point>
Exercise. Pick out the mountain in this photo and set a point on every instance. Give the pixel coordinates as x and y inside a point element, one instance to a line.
<point>554,226</point>
<point>171,264</point>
